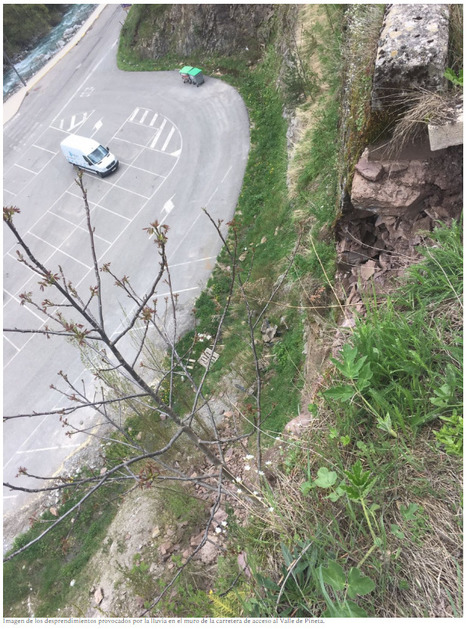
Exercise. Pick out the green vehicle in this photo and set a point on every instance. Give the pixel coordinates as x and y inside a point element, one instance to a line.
<point>192,75</point>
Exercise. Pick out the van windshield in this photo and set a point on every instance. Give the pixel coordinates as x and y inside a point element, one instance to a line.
<point>98,154</point>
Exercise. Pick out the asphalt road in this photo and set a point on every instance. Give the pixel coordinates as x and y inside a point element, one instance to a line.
<point>180,148</point>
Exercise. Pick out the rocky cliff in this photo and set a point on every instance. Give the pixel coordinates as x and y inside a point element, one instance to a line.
<point>185,29</point>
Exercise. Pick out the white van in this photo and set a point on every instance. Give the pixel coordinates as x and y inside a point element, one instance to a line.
<point>88,155</point>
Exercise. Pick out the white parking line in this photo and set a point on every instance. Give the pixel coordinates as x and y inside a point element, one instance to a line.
<point>132,191</point>
<point>143,170</point>
<point>25,441</point>
<point>27,169</point>
<point>61,251</point>
<point>83,229</point>
<point>15,298</point>
<point>143,146</point>
<point>172,266</point>
<point>36,146</point>
<point>169,137</point>
<point>157,136</point>
<point>225,176</point>
<point>71,445</point>
<point>212,195</point>
<point>154,118</point>
<point>102,207</point>
<point>177,292</point>
<point>5,338</point>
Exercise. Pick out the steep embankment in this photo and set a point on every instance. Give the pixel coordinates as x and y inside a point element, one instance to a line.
<point>184,29</point>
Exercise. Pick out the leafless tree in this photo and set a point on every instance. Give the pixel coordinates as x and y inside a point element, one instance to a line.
<point>141,378</point>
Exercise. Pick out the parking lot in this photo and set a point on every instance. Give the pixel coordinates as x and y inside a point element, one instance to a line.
<point>148,146</point>
<point>180,150</point>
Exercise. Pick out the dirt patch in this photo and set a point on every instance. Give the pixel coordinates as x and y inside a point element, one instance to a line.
<point>107,585</point>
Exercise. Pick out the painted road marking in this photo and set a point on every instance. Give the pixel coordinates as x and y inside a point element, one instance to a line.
<point>97,126</point>
<point>169,137</point>
<point>79,227</point>
<point>177,292</point>
<point>71,445</point>
<point>172,266</point>
<point>26,307</point>
<point>169,205</point>
<point>5,338</point>
<point>157,136</point>
<point>77,120</point>
<point>27,169</point>
<point>132,117</point>
<point>44,149</point>
<point>103,207</point>
<point>86,92</point>
<point>225,176</point>
<point>60,251</point>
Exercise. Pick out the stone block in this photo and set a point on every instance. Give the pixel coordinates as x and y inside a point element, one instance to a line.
<point>412,52</point>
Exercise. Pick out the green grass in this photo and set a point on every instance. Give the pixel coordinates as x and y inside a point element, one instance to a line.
<point>374,486</point>
<point>46,569</point>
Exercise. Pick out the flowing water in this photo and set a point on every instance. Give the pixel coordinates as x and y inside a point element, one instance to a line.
<point>46,48</point>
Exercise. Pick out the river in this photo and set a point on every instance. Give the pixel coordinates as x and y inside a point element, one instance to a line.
<point>47,47</point>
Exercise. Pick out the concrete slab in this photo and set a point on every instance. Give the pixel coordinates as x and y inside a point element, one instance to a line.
<point>448,134</point>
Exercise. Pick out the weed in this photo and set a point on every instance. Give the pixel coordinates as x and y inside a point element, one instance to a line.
<point>451,434</point>
<point>456,79</point>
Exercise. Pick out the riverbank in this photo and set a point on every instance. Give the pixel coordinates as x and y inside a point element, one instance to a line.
<point>13,104</point>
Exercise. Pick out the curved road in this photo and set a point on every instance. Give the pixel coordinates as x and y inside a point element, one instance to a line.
<point>181,148</point>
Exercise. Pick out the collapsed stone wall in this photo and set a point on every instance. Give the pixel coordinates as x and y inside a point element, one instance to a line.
<point>400,192</point>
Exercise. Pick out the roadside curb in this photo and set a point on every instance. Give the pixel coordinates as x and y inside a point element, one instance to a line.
<point>12,105</point>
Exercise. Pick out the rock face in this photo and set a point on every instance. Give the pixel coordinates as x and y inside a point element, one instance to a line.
<point>186,29</point>
<point>412,51</point>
